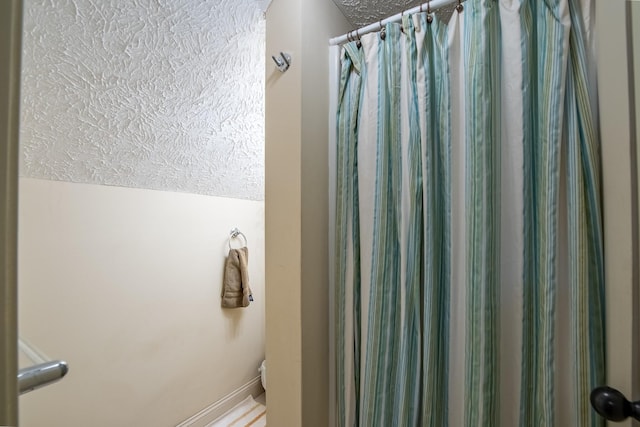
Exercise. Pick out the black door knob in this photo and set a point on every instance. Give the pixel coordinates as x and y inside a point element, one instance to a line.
<point>612,405</point>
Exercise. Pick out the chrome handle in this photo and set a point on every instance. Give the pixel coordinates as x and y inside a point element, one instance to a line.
<point>41,375</point>
<point>612,405</point>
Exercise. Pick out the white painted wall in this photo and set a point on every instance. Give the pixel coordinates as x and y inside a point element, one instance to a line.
<point>620,218</point>
<point>297,274</point>
<point>124,284</point>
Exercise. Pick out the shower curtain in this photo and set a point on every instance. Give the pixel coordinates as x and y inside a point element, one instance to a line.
<point>469,286</point>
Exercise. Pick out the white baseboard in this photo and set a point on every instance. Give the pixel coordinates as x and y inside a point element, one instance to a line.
<point>217,409</point>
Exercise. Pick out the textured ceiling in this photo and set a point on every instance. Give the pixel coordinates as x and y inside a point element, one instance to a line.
<point>364,12</point>
<point>155,94</point>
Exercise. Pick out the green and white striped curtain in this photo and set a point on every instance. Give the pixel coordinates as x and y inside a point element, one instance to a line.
<point>469,285</point>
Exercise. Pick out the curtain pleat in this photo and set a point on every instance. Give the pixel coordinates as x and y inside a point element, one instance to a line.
<point>432,165</point>
<point>547,42</point>
<point>586,273</point>
<point>347,277</point>
<point>468,237</point>
<point>482,142</point>
<point>512,208</point>
<point>407,403</point>
<point>457,304</point>
<point>383,331</point>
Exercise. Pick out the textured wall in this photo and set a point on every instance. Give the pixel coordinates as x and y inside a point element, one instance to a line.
<point>156,94</point>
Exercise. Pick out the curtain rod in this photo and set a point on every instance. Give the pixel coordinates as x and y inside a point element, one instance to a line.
<point>376,26</point>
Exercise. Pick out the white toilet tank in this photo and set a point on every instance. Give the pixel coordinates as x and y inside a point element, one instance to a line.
<point>263,374</point>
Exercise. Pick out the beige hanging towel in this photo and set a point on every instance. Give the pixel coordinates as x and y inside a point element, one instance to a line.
<point>236,291</point>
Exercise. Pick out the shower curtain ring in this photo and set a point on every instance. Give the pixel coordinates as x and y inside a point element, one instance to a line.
<point>459,7</point>
<point>416,19</point>
<point>358,42</point>
<point>383,31</point>
<point>429,16</point>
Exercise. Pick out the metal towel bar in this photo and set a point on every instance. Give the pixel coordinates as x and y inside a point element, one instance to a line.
<point>37,376</point>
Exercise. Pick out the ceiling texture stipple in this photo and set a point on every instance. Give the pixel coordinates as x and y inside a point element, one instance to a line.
<point>154,94</point>
<point>365,12</point>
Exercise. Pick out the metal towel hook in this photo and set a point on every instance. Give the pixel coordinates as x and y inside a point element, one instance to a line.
<point>283,61</point>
